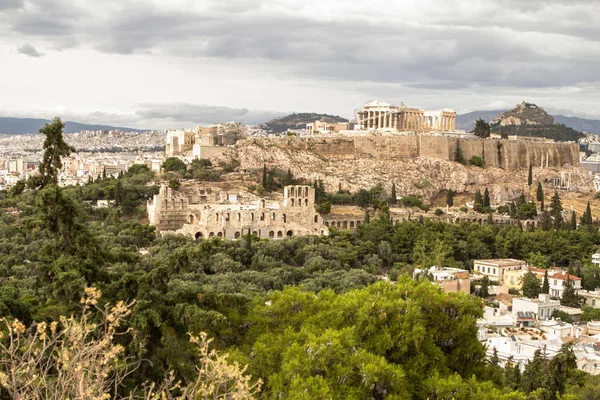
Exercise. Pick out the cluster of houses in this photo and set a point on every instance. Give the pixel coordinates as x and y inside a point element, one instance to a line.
<point>516,326</point>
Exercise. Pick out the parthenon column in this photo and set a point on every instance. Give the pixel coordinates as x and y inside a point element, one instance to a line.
<point>370,119</point>
<point>380,119</point>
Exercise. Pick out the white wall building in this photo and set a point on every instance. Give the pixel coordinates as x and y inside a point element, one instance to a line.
<point>494,269</point>
<point>542,307</point>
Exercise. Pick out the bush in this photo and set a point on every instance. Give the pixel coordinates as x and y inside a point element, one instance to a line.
<point>514,292</point>
<point>477,161</point>
<point>464,209</point>
<point>412,201</point>
<point>439,211</point>
<point>324,208</point>
<point>504,209</point>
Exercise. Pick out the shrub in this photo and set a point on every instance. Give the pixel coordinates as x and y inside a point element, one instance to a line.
<point>439,211</point>
<point>477,161</point>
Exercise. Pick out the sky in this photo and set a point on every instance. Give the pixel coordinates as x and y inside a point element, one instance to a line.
<point>178,63</point>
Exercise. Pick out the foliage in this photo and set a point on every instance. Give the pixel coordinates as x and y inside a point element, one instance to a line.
<point>531,285</point>
<point>482,129</point>
<point>412,201</point>
<point>570,298</point>
<point>556,211</point>
<point>174,164</point>
<point>324,208</point>
<point>530,176</point>
<point>450,198</point>
<point>477,161</point>
<point>54,148</point>
<point>458,155</point>
<point>539,194</point>
<point>439,211</point>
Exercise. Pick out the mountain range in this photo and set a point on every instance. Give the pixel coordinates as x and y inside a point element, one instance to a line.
<point>19,126</point>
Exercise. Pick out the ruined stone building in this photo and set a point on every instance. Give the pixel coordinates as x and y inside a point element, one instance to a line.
<point>208,212</point>
<point>321,127</point>
<point>379,115</point>
<point>204,142</point>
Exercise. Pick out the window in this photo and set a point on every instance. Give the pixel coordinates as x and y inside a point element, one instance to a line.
<point>555,282</point>
<point>593,302</point>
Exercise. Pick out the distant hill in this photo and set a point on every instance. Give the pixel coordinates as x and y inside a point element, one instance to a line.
<point>19,126</point>
<point>467,121</point>
<point>298,121</point>
<point>528,119</point>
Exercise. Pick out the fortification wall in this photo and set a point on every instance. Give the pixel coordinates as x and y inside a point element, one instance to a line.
<point>507,154</point>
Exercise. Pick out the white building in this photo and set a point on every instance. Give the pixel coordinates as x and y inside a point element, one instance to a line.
<point>596,258</point>
<point>542,307</point>
<point>557,283</point>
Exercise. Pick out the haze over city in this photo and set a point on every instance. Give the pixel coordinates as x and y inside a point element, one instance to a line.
<point>159,64</point>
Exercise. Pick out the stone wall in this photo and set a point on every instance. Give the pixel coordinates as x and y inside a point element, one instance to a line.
<point>507,154</point>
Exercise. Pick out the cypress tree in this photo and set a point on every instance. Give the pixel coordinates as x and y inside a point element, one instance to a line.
<point>540,192</point>
<point>546,284</point>
<point>450,198</point>
<point>264,176</point>
<point>458,155</point>
<point>367,217</point>
<point>478,198</point>
<point>530,176</point>
<point>569,297</point>
<point>586,218</point>
<point>556,211</point>
<point>573,220</point>
<point>542,205</point>
<point>393,196</point>
<point>486,198</point>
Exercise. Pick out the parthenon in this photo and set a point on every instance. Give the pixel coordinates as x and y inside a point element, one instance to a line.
<point>377,115</point>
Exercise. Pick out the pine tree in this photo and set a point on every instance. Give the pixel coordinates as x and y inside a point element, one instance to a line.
<point>393,196</point>
<point>556,211</point>
<point>512,374</point>
<point>586,218</point>
<point>540,192</point>
<point>530,176</point>
<point>55,148</point>
<point>546,284</point>
<point>450,198</point>
<point>546,221</point>
<point>486,198</point>
<point>570,298</point>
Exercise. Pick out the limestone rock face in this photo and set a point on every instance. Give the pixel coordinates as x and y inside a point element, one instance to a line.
<point>363,164</point>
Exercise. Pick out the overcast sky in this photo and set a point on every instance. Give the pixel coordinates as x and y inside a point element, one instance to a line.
<point>179,63</point>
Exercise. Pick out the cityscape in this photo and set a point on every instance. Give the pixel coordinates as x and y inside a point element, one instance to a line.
<point>418,224</point>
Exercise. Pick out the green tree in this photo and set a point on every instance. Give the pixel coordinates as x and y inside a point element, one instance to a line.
<point>586,218</point>
<point>478,198</point>
<point>540,192</point>
<point>570,298</point>
<point>450,198</point>
<point>477,161</point>
<point>512,374</point>
<point>531,285</point>
<point>54,148</point>
<point>458,155</point>
<point>556,210</point>
<point>530,176</point>
<point>573,220</point>
<point>482,129</point>
<point>174,183</point>
<point>393,196</point>
<point>174,164</point>
<point>546,284</point>
<point>264,177</point>
<point>486,198</point>
<point>538,260</point>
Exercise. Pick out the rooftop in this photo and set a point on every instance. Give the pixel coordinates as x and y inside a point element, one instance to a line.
<point>501,262</point>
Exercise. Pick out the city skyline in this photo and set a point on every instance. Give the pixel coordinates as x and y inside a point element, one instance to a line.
<point>173,64</point>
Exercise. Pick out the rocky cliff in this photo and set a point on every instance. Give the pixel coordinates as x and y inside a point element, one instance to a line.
<point>419,165</point>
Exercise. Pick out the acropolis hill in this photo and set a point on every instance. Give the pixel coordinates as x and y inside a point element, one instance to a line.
<point>419,164</point>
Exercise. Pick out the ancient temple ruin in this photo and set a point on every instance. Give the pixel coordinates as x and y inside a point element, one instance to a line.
<point>381,115</point>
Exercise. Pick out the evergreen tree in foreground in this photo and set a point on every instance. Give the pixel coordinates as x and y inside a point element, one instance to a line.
<point>530,176</point>
<point>546,284</point>
<point>540,192</point>
<point>55,148</point>
<point>556,210</point>
<point>486,198</point>
<point>450,198</point>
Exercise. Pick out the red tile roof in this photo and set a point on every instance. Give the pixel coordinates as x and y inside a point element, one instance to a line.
<point>563,277</point>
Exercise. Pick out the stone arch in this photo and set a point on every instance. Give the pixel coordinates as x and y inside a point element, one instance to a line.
<point>345,225</point>
<point>358,223</point>
<point>220,234</point>
<point>262,204</point>
<point>255,233</point>
<point>227,218</point>
<point>284,218</point>
<point>217,217</point>
<point>316,219</point>
<point>252,216</point>
<point>339,224</point>
<point>293,203</point>
<point>211,234</point>
<point>271,234</point>
<point>190,219</point>
<point>273,216</point>
<point>289,234</point>
<point>239,216</point>
<point>279,234</point>
<point>198,235</point>
<point>237,235</point>
<point>351,224</point>
<point>306,192</point>
<point>322,232</point>
<point>262,216</point>
<point>292,192</point>
<point>306,202</point>
<point>327,224</point>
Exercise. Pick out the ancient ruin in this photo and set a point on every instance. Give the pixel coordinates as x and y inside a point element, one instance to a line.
<point>379,115</point>
<point>209,211</point>
<point>204,142</point>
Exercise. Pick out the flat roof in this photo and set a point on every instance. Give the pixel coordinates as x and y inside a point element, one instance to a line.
<point>501,262</point>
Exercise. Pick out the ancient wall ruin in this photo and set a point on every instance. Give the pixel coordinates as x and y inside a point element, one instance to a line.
<point>506,154</point>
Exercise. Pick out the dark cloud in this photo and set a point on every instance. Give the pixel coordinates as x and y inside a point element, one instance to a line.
<point>203,114</point>
<point>29,50</point>
<point>457,44</point>
<point>11,4</point>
